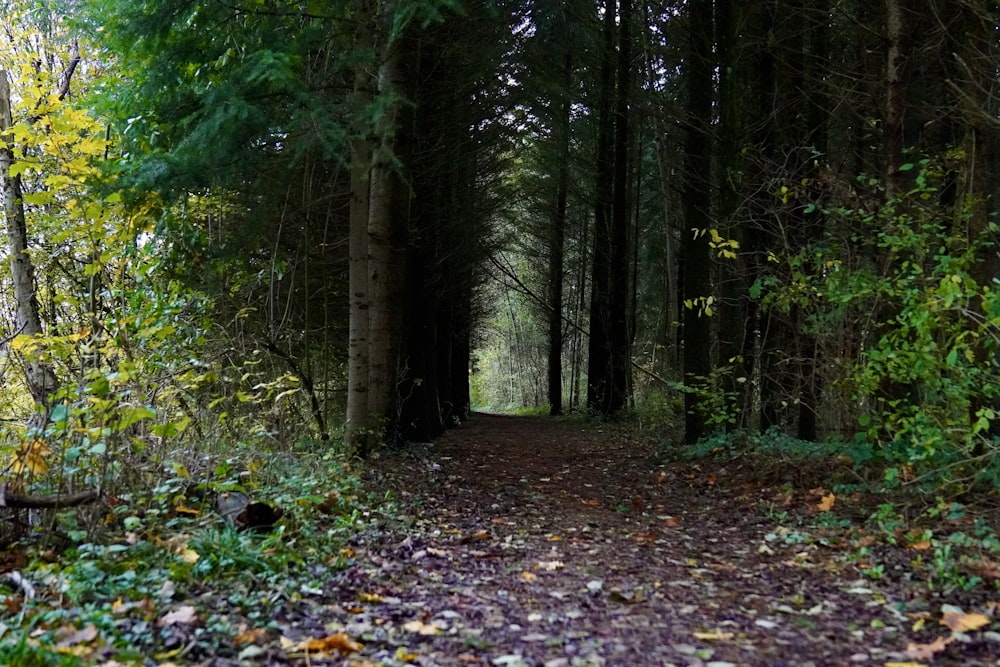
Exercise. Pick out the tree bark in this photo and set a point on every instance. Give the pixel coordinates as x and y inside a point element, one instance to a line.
<point>694,261</point>
<point>895,95</point>
<point>620,302</point>
<point>599,344</point>
<point>356,423</point>
<point>389,210</point>
<point>558,237</point>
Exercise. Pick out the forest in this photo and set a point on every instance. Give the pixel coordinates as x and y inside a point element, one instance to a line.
<point>264,257</point>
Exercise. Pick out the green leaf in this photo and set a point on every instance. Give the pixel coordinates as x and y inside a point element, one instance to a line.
<point>129,416</point>
<point>906,167</point>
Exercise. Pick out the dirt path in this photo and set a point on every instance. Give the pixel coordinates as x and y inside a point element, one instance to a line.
<point>546,542</point>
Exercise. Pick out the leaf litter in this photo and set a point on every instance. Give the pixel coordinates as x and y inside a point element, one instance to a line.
<point>527,542</point>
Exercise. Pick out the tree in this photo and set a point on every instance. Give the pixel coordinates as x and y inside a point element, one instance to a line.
<point>388,230</point>
<point>609,354</point>
<point>695,280</point>
<point>356,421</point>
<point>40,377</point>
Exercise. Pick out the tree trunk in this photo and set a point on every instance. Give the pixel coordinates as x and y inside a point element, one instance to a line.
<point>558,238</point>
<point>40,377</point>
<point>695,268</point>
<point>599,344</point>
<point>897,37</point>
<point>733,303</point>
<point>619,309</point>
<point>356,423</point>
<point>388,227</point>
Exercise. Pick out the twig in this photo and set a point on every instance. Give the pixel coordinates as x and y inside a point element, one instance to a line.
<point>47,502</point>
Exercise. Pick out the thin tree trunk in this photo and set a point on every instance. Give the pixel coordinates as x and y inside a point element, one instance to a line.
<point>557,241</point>
<point>40,377</point>
<point>895,94</point>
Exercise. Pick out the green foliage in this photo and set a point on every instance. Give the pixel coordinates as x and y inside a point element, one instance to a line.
<point>26,653</point>
<point>169,551</point>
<point>925,380</point>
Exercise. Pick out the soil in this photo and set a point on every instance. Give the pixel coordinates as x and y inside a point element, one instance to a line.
<point>550,542</point>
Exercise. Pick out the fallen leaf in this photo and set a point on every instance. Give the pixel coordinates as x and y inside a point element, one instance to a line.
<point>70,636</point>
<point>529,576</point>
<point>189,556</point>
<point>254,636</point>
<point>671,522</point>
<point>713,635</point>
<point>369,597</point>
<point>185,615</point>
<point>986,568</point>
<point>421,628</point>
<point>959,622</point>
<point>927,651</point>
<point>404,655</point>
<point>826,502</point>
<point>905,664</point>
<point>551,565</point>
<point>339,642</point>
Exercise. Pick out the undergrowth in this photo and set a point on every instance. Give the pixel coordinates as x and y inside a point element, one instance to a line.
<point>839,492</point>
<point>102,591</point>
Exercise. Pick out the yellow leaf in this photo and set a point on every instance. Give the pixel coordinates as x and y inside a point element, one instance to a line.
<point>957,622</point>
<point>189,556</point>
<point>713,635</point>
<point>369,597</point>
<point>529,576</point>
<point>339,642</point>
<point>31,458</point>
<point>403,655</point>
<point>826,502</point>
<point>421,628</point>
